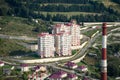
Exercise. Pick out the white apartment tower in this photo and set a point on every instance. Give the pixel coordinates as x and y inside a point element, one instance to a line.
<point>75,34</point>
<point>46,45</point>
<point>63,43</point>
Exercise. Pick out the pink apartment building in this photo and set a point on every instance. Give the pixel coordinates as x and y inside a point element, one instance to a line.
<point>71,27</point>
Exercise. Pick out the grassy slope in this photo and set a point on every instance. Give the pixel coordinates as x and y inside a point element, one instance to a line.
<point>113,5</point>
<point>10,47</point>
<point>15,26</point>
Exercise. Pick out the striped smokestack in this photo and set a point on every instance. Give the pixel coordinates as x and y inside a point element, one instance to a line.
<point>104,53</point>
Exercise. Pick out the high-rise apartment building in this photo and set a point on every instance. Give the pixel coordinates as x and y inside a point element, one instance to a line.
<point>71,27</point>
<point>46,45</point>
<point>75,34</point>
<point>64,36</point>
<point>63,43</point>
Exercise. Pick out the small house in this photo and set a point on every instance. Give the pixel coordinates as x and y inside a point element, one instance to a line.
<point>71,65</point>
<point>1,64</point>
<point>72,77</point>
<point>24,67</point>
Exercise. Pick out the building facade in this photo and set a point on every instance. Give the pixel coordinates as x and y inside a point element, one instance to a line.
<point>63,43</point>
<point>75,34</point>
<point>24,67</point>
<point>64,35</point>
<point>46,45</point>
<point>71,27</point>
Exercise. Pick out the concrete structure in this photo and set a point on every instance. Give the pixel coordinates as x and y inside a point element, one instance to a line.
<point>58,75</point>
<point>72,77</point>
<point>71,65</point>
<point>75,34</point>
<point>71,27</point>
<point>24,67</point>
<point>82,68</point>
<point>63,43</point>
<point>65,35</point>
<point>104,53</point>
<point>1,64</point>
<point>46,45</point>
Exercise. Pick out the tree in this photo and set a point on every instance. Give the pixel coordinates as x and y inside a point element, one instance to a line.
<point>48,17</point>
<point>113,66</point>
<point>113,69</point>
<point>25,76</point>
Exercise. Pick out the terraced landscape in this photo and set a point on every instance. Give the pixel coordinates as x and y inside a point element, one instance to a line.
<point>59,10</point>
<point>68,14</point>
<point>106,3</point>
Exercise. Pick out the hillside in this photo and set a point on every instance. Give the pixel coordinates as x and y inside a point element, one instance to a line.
<point>23,26</point>
<point>10,48</point>
<point>56,10</point>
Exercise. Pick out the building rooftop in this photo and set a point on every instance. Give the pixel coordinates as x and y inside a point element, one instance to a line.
<point>71,75</point>
<point>70,64</point>
<point>36,68</point>
<point>1,62</point>
<point>82,67</point>
<point>57,74</point>
<point>68,24</point>
<point>44,34</point>
<point>24,65</point>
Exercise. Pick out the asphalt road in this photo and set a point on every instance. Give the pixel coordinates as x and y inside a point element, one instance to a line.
<point>83,50</point>
<point>17,37</point>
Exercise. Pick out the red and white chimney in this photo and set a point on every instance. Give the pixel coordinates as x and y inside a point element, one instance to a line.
<point>104,52</point>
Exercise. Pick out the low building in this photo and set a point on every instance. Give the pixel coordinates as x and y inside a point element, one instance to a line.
<point>72,77</point>
<point>6,71</point>
<point>24,67</point>
<point>36,68</point>
<point>55,77</point>
<point>71,65</point>
<point>58,75</point>
<point>40,68</point>
<point>1,64</point>
<point>82,68</point>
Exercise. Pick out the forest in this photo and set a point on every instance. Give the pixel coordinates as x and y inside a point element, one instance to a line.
<point>34,9</point>
<point>117,1</point>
